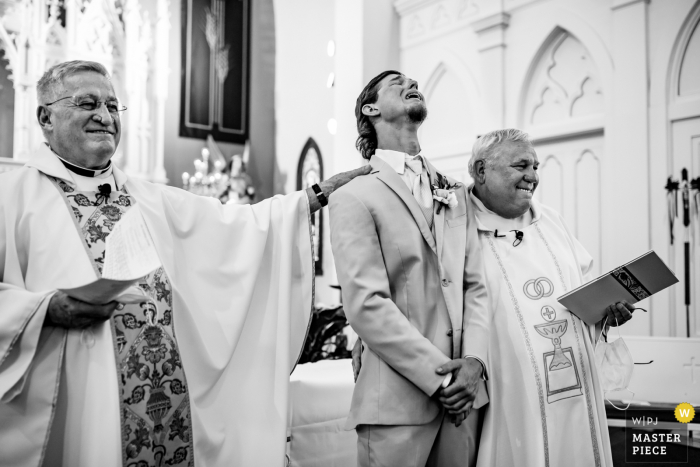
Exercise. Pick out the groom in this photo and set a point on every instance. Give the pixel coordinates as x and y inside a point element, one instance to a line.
<point>411,274</point>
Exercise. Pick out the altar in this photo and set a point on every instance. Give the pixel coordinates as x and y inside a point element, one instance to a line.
<point>319,401</point>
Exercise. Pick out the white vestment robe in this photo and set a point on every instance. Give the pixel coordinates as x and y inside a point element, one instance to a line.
<point>242,279</point>
<point>546,403</point>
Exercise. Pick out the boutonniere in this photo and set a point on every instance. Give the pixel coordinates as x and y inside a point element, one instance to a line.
<point>444,192</point>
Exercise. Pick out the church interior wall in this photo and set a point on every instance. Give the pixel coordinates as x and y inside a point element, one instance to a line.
<point>595,83</point>
<point>365,42</point>
<point>180,152</point>
<point>304,103</point>
<point>605,155</point>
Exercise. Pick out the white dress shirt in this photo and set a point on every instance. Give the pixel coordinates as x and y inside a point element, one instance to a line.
<point>397,161</point>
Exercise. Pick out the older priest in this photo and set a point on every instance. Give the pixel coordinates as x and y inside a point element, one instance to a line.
<point>547,407</point>
<point>196,376</point>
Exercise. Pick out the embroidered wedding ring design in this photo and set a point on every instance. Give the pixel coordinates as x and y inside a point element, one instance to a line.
<point>538,288</point>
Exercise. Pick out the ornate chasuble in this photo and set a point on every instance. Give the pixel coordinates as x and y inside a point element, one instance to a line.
<point>154,403</point>
<point>539,354</point>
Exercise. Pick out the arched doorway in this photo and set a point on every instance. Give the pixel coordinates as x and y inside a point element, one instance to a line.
<point>684,154</point>
<point>310,172</point>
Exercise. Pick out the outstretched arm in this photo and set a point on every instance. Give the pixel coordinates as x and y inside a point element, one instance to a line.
<point>332,184</point>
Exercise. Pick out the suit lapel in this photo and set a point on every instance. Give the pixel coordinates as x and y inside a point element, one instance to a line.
<point>393,180</point>
<point>438,218</point>
<point>451,264</point>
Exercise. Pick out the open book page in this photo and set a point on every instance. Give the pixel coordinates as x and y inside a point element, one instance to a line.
<point>130,255</point>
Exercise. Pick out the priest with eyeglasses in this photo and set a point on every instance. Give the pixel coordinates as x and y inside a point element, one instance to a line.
<point>197,373</point>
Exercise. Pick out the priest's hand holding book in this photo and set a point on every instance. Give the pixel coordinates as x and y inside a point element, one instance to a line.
<point>67,312</point>
<point>619,313</point>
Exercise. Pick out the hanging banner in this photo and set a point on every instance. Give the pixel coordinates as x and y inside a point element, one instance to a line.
<point>215,69</point>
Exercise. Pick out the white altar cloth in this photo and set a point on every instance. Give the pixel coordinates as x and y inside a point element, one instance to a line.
<point>319,402</point>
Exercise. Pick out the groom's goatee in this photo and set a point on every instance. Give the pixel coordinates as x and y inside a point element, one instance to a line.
<point>417,113</point>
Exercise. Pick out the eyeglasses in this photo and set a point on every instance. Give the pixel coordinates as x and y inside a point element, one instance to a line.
<point>91,104</point>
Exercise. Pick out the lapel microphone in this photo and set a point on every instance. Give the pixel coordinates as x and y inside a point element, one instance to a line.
<point>105,190</point>
<point>518,237</point>
<point>495,234</point>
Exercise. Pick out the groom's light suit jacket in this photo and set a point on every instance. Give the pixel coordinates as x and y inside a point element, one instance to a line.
<point>416,299</point>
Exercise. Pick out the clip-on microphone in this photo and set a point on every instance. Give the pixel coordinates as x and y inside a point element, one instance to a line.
<point>519,235</point>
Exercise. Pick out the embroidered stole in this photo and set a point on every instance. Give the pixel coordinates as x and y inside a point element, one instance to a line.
<point>553,339</point>
<point>154,401</point>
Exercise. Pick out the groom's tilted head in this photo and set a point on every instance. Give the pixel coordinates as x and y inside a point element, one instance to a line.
<point>389,98</point>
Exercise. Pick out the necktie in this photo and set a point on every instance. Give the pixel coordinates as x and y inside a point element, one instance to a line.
<point>421,188</point>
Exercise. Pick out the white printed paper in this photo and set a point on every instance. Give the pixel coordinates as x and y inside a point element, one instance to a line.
<point>130,255</point>
<point>130,252</point>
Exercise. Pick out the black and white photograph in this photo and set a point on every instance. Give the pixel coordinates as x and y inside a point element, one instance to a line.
<point>349,233</point>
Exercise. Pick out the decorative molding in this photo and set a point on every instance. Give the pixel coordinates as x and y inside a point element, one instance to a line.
<point>468,9</point>
<point>8,45</point>
<point>415,27</point>
<point>678,104</point>
<point>573,129</point>
<point>491,31</point>
<point>618,4</point>
<point>117,33</point>
<point>406,7</point>
<point>564,85</point>
<point>552,192</point>
<point>587,194</point>
<point>421,21</point>
<point>497,20</point>
<point>440,17</point>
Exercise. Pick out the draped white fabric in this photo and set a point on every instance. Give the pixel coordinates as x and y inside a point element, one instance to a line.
<point>547,406</point>
<point>243,291</point>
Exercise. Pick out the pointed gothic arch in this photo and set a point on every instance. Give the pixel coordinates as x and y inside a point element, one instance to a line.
<point>310,172</point>
<point>563,108</point>
<point>684,65</point>
<point>683,153</point>
<point>563,92</point>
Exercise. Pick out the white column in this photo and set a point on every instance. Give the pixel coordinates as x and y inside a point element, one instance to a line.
<point>131,126</point>
<point>490,31</point>
<point>366,44</point>
<point>626,223</point>
<point>348,82</point>
<point>161,71</point>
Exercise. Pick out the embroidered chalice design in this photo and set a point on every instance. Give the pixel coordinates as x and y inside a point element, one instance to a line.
<point>554,331</point>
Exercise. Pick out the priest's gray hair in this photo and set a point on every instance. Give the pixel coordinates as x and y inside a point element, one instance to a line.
<point>50,86</point>
<point>486,147</point>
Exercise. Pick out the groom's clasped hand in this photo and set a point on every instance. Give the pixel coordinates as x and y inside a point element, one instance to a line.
<point>458,397</point>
